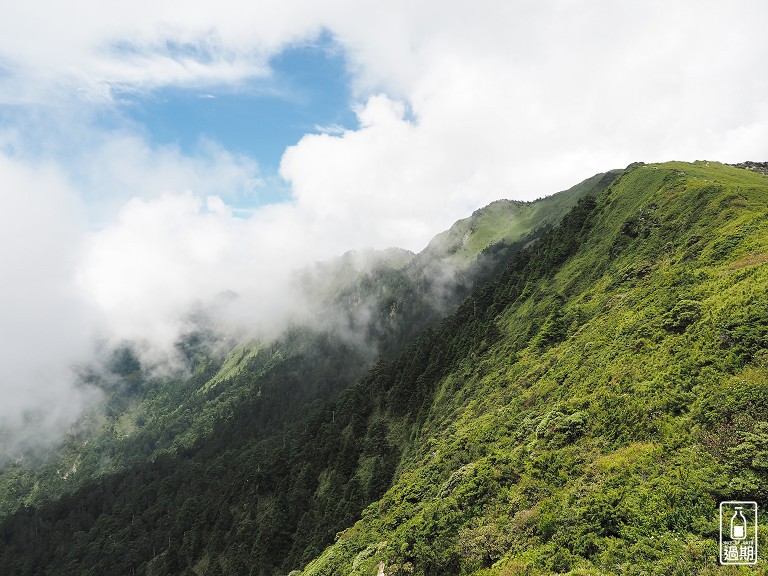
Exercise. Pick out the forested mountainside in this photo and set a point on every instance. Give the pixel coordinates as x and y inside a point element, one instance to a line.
<point>246,399</point>
<point>583,411</point>
<point>591,406</point>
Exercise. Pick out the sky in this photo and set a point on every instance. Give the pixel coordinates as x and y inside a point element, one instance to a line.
<point>154,154</point>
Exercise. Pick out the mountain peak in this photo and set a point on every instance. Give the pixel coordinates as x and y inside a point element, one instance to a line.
<point>507,221</point>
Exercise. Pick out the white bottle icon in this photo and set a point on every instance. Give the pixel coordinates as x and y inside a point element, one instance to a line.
<point>738,525</point>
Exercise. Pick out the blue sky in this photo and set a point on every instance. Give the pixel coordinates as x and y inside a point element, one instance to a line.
<point>308,90</point>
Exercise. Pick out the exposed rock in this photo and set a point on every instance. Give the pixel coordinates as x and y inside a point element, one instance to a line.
<point>761,167</point>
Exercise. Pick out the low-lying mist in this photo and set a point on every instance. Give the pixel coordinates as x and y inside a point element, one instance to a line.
<point>176,270</point>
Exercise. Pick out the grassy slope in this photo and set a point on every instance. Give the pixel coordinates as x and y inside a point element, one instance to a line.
<point>626,396</point>
<point>507,221</point>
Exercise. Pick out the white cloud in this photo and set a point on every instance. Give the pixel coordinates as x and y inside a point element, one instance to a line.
<point>492,83</point>
<point>109,167</point>
<point>524,100</point>
<point>46,325</point>
<point>459,104</point>
<point>119,167</point>
<point>68,287</point>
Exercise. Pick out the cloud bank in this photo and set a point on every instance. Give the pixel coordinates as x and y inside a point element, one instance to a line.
<point>46,322</point>
<point>106,234</point>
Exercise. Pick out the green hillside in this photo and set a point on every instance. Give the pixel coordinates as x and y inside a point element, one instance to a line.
<point>623,393</point>
<point>584,411</point>
<point>242,397</point>
<point>378,300</point>
<point>507,221</point>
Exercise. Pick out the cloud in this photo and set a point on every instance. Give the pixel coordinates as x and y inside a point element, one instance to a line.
<point>46,324</point>
<point>122,166</point>
<point>106,233</point>
<point>166,257</point>
<point>71,291</point>
<point>107,166</point>
<point>119,243</point>
<point>89,47</point>
<point>525,99</point>
<point>529,96</point>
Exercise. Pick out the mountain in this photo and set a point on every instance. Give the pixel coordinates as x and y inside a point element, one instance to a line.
<point>602,395</point>
<point>507,221</point>
<point>577,394</point>
<point>363,304</point>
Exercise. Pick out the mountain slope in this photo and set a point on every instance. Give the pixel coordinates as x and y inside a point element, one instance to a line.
<point>507,221</point>
<point>583,411</point>
<point>244,442</point>
<point>623,393</point>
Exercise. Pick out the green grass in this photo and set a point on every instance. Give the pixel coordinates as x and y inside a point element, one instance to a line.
<point>508,221</point>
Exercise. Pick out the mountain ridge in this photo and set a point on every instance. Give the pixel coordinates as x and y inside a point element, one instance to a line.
<point>143,418</point>
<point>520,434</point>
